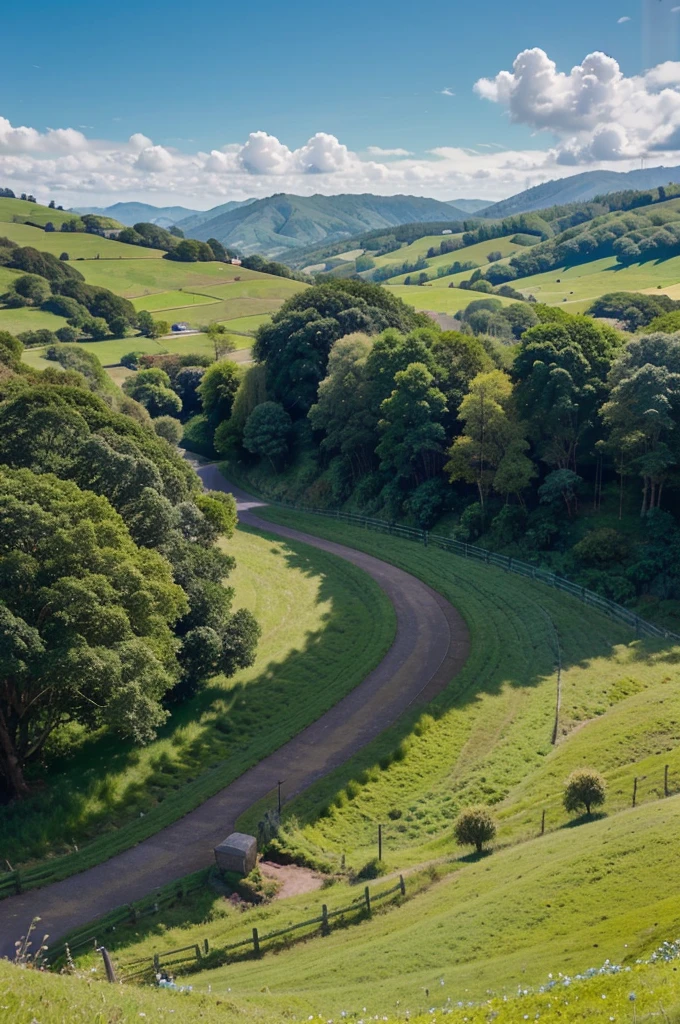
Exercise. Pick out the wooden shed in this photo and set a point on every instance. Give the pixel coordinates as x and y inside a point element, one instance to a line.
<point>238,852</point>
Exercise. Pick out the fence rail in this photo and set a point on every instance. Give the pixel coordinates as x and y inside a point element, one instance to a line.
<point>515,565</point>
<point>197,952</point>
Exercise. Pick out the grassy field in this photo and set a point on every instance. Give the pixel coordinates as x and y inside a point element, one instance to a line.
<point>111,351</point>
<point>27,318</point>
<point>584,892</point>
<point>473,253</point>
<point>578,286</point>
<point>132,280</point>
<point>162,301</point>
<point>441,300</point>
<point>222,310</point>
<point>247,324</point>
<point>78,245</point>
<point>641,994</point>
<point>308,603</point>
<point>35,212</point>
<point>411,253</point>
<point>7,276</point>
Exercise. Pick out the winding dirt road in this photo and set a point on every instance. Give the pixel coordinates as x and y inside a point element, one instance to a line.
<point>430,647</point>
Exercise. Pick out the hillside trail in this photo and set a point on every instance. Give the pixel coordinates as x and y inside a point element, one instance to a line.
<point>431,645</point>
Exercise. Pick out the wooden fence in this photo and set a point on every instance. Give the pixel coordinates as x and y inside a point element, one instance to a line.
<point>508,564</point>
<point>196,953</point>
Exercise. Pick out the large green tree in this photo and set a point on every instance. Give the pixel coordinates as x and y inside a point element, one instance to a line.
<point>412,436</point>
<point>85,620</point>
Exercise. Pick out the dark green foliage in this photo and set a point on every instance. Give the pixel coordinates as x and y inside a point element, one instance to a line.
<point>36,339</point>
<point>296,344</point>
<point>188,250</point>
<point>151,388</point>
<point>634,309</point>
<point>267,432</point>
<point>169,428</point>
<point>76,644</point>
<point>217,390</point>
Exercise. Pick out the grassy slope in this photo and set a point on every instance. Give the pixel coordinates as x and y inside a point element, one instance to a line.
<point>111,351</point>
<point>49,999</point>
<point>474,253</point>
<point>145,278</point>
<point>441,300</point>
<point>309,603</point>
<point>35,212</point>
<point>77,245</point>
<point>582,284</point>
<point>561,902</point>
<point>29,319</point>
<point>412,252</point>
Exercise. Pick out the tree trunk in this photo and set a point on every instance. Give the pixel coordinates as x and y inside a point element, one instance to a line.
<point>10,766</point>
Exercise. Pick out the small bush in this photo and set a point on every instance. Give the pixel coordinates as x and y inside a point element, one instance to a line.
<point>475,827</point>
<point>585,788</point>
<point>394,814</point>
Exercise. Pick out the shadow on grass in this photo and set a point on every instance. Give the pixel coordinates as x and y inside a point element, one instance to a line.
<point>583,819</point>
<point>230,726</point>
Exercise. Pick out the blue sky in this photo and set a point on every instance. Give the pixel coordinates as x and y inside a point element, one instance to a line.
<point>369,73</point>
<point>194,78</point>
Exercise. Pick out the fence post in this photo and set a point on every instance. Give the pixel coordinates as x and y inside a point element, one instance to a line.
<point>425,537</point>
<point>108,965</point>
<point>402,885</point>
<point>17,882</point>
<point>156,963</point>
<point>206,946</point>
<point>543,824</point>
<point>133,913</point>
<point>256,942</point>
<point>635,791</point>
<point>583,594</point>
<point>379,842</point>
<point>665,781</point>
<point>324,922</point>
<point>367,897</point>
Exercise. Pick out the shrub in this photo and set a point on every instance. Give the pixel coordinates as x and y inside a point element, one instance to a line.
<point>169,428</point>
<point>474,827</point>
<point>585,787</point>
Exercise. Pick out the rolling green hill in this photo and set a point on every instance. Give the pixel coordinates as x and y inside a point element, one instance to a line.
<point>20,211</point>
<point>283,223</point>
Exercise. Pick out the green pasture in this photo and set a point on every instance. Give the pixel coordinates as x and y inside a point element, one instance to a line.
<point>412,252</point>
<point>78,245</point>
<point>640,994</point>
<point>133,279</point>
<point>7,276</point>
<point>170,301</point>
<point>23,210</point>
<point>441,300</point>
<point>222,310</point>
<point>247,324</point>
<point>580,285</point>
<point>264,286</point>
<point>477,253</point>
<point>113,793</point>
<point>28,318</point>
<point>490,740</point>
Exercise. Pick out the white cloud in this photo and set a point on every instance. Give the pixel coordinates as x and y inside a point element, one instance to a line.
<point>593,116</point>
<point>447,92</point>
<point>597,113</point>
<point>378,151</point>
<point>622,21</point>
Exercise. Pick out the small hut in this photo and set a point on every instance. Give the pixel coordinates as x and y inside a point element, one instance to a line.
<point>238,852</point>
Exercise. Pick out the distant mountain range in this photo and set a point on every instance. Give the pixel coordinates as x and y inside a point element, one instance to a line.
<point>469,206</point>
<point>281,223</point>
<point>579,188</point>
<point>133,213</point>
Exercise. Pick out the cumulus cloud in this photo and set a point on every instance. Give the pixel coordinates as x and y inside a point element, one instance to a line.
<point>622,21</point>
<point>597,113</point>
<point>593,115</point>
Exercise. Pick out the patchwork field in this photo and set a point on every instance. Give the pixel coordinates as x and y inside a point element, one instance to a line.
<point>134,279</point>
<point>414,251</point>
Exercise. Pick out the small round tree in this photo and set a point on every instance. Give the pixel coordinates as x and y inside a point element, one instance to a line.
<point>474,827</point>
<point>169,428</point>
<point>585,787</point>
